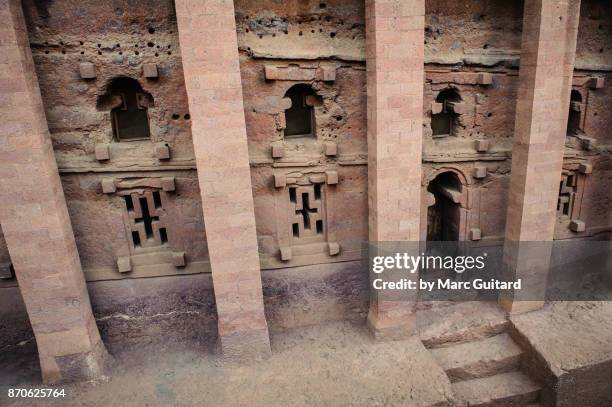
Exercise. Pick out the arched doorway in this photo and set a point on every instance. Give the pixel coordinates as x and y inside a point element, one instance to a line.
<point>444,216</point>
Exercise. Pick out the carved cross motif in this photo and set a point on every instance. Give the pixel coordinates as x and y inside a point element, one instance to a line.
<point>145,214</point>
<point>306,203</point>
<point>146,219</point>
<point>567,195</point>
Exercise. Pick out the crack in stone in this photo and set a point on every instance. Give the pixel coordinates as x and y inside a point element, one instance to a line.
<point>144,317</point>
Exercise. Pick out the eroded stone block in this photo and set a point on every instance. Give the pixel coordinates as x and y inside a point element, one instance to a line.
<point>577,226</point>
<point>278,150</point>
<point>162,151</point>
<point>331,149</point>
<point>150,71</point>
<point>482,146</point>
<point>334,248</point>
<point>108,186</point>
<point>286,253</point>
<point>332,177</point>
<point>87,70</point>
<point>168,184</point>
<point>178,259</point>
<point>124,264</point>
<point>102,152</point>
<point>329,73</point>
<point>280,180</point>
<point>475,234</point>
<point>479,172</point>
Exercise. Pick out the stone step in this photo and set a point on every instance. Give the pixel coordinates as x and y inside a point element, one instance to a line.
<point>478,359</point>
<point>503,390</point>
<point>462,322</point>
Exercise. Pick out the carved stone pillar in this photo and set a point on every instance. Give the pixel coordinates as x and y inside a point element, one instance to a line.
<point>395,58</point>
<point>207,32</point>
<point>547,63</point>
<point>35,219</point>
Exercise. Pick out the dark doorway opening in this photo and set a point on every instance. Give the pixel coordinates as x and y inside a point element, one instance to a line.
<point>573,120</point>
<point>443,218</point>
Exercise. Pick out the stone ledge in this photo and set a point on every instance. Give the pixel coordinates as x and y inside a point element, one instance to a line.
<point>568,347</point>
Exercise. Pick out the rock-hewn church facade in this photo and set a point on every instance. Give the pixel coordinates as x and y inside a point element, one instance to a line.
<point>223,162</point>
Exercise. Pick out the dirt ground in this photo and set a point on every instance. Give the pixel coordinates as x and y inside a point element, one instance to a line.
<point>329,365</point>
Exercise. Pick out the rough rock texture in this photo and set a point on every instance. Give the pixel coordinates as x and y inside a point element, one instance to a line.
<point>480,358</point>
<point>504,390</point>
<point>569,351</point>
<point>326,365</point>
<point>463,322</point>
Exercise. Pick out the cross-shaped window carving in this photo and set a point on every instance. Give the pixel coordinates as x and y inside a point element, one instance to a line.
<point>146,218</point>
<point>306,204</point>
<point>567,195</point>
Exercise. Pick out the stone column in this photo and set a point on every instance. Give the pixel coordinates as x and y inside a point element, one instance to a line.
<point>35,219</point>
<point>395,65</point>
<point>547,63</point>
<point>207,33</point>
